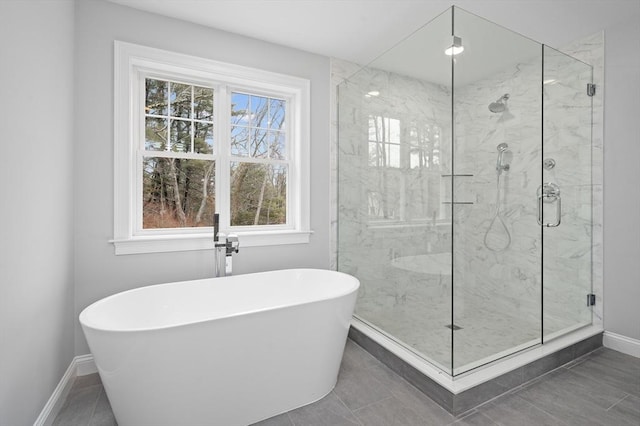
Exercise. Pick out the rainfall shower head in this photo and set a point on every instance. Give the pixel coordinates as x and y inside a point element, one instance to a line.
<point>499,105</point>
<point>502,147</point>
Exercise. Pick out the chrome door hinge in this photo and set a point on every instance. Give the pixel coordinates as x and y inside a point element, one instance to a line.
<point>591,89</point>
<point>591,299</point>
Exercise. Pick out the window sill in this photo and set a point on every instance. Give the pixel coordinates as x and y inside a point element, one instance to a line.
<point>188,242</point>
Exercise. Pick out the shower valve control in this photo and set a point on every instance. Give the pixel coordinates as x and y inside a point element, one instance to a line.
<point>549,191</point>
<point>549,163</point>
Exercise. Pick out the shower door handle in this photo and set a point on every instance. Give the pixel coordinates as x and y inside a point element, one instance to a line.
<point>549,193</point>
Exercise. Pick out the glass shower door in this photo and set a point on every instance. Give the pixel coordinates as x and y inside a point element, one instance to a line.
<point>496,162</point>
<point>565,195</point>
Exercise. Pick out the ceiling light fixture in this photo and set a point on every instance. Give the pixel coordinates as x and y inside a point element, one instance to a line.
<point>456,48</point>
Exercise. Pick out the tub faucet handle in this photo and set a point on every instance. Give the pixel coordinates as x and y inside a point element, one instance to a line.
<point>233,244</point>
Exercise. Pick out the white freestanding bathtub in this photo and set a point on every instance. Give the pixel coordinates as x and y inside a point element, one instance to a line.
<point>221,351</point>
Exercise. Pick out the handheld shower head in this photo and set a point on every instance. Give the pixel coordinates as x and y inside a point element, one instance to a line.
<point>500,104</point>
<point>500,162</point>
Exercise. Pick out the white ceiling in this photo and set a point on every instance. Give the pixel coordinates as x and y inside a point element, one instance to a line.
<point>360,30</point>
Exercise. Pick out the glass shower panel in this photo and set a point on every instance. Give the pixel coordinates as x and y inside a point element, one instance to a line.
<point>394,210</point>
<point>496,171</point>
<point>566,200</point>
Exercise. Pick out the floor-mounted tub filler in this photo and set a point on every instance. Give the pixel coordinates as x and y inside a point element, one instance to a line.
<point>222,351</point>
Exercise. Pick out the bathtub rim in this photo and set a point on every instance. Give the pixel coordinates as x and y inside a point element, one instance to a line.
<point>355,285</point>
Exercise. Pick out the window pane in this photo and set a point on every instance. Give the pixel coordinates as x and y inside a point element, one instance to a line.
<point>180,136</point>
<point>376,154</point>
<point>394,130</point>
<point>203,103</point>
<point>258,194</point>
<point>180,100</point>
<point>203,138</point>
<point>240,141</point>
<point>384,129</point>
<point>259,112</point>
<point>276,113</point>
<point>374,128</point>
<point>155,134</point>
<point>252,116</point>
<point>394,155</point>
<point>259,144</point>
<point>240,109</point>
<point>156,97</point>
<point>276,145</point>
<point>177,193</point>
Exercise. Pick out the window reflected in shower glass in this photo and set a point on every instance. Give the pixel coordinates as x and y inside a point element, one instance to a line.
<point>383,204</point>
<point>404,164</point>
<point>424,145</point>
<point>384,142</point>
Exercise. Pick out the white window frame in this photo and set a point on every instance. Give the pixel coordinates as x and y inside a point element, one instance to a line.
<point>135,62</point>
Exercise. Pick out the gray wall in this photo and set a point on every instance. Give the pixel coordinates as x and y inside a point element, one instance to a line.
<point>36,213</point>
<point>37,279</point>
<point>98,271</point>
<point>622,177</point>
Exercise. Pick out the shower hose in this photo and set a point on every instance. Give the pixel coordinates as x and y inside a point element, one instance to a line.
<point>497,217</point>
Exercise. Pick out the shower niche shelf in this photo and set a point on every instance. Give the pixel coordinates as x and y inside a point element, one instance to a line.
<point>447,188</point>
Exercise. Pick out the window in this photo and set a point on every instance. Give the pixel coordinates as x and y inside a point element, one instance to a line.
<point>384,141</point>
<point>404,164</point>
<point>194,137</point>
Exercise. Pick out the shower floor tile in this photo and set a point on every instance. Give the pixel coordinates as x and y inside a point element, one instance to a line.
<point>368,393</point>
<point>423,323</point>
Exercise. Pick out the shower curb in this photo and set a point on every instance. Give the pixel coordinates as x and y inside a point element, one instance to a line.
<point>462,402</point>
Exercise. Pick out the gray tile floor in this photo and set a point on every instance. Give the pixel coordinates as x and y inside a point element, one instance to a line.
<point>601,388</point>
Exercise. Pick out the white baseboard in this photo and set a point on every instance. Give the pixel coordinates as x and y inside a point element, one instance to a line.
<point>85,365</point>
<point>80,366</point>
<point>621,343</point>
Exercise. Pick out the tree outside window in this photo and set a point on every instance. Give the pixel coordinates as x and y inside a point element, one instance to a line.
<point>179,186</point>
<point>178,171</point>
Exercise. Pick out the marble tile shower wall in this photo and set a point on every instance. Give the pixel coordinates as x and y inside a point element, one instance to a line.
<point>390,211</point>
<point>505,282</point>
<point>573,138</point>
<point>492,289</point>
<point>496,267</point>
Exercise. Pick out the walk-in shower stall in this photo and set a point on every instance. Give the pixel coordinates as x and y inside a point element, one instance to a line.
<point>464,192</point>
